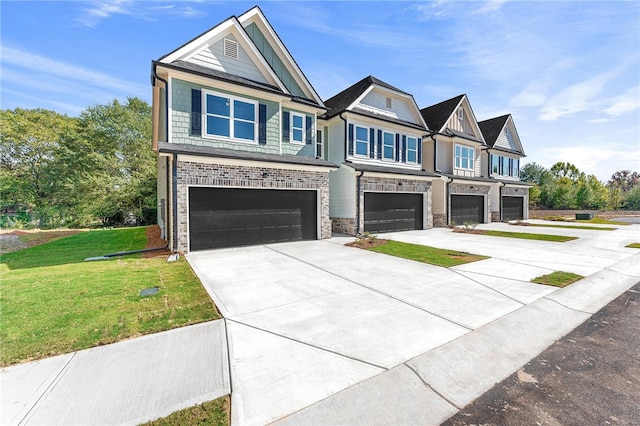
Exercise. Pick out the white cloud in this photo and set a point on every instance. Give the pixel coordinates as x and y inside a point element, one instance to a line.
<point>532,95</point>
<point>627,102</point>
<point>593,160</point>
<point>491,6</point>
<point>48,66</point>
<point>97,11</point>
<point>104,9</point>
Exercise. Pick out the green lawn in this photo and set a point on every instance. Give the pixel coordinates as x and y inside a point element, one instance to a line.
<point>53,302</point>
<point>633,245</point>
<point>527,236</point>
<point>558,279</point>
<point>426,254</point>
<point>210,413</point>
<point>603,221</point>
<point>591,228</point>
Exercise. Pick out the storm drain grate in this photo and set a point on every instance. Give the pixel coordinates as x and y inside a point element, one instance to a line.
<point>149,291</point>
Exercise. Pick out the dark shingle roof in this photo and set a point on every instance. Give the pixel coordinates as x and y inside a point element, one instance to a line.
<point>383,169</point>
<point>340,102</point>
<point>204,151</point>
<point>492,127</point>
<point>437,115</point>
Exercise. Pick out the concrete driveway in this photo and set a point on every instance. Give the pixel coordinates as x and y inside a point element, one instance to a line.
<point>321,333</point>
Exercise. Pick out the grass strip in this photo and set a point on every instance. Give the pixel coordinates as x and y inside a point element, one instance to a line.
<point>426,254</point>
<point>557,279</point>
<point>592,228</point>
<point>210,413</point>
<point>633,245</point>
<point>53,302</point>
<point>603,221</point>
<point>527,236</point>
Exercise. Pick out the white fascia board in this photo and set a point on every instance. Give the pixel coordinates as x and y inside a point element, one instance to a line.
<point>256,16</point>
<point>230,26</point>
<point>385,125</point>
<point>253,163</point>
<point>461,179</point>
<point>213,84</point>
<point>398,176</point>
<point>396,94</point>
<point>473,116</point>
<point>515,132</point>
<point>290,104</point>
<point>359,98</point>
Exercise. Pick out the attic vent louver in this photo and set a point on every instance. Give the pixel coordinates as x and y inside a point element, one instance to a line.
<point>231,48</point>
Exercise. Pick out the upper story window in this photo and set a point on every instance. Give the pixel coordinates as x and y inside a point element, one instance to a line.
<point>505,166</point>
<point>388,146</point>
<point>460,113</point>
<point>362,141</point>
<point>464,157</point>
<point>319,144</point>
<point>412,150</point>
<point>229,117</point>
<point>297,128</point>
<point>495,163</point>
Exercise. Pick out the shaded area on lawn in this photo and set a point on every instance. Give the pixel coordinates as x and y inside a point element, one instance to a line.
<point>53,306</point>
<point>419,253</point>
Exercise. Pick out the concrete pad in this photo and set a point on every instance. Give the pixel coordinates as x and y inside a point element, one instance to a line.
<point>21,386</point>
<point>249,279</point>
<point>523,291</point>
<point>359,324</point>
<point>274,376</point>
<point>464,369</point>
<point>397,396</point>
<point>629,266</point>
<point>437,290</point>
<point>136,380</point>
<point>504,269</point>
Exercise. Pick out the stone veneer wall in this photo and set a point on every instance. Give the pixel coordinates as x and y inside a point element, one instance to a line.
<point>380,184</point>
<point>471,189</point>
<point>343,225</point>
<point>216,175</point>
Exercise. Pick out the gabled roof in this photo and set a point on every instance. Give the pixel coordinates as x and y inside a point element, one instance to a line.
<point>437,115</point>
<point>236,26</point>
<point>492,129</point>
<point>348,98</point>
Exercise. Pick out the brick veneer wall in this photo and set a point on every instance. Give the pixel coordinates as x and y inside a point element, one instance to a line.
<point>216,175</point>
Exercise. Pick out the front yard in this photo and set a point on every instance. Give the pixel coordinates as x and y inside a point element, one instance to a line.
<point>53,302</point>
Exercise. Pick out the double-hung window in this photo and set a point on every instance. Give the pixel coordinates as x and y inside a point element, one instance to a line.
<point>495,166</point>
<point>516,168</point>
<point>388,146</point>
<point>229,117</point>
<point>464,157</point>
<point>297,128</point>
<point>362,141</point>
<point>412,150</point>
<point>505,166</point>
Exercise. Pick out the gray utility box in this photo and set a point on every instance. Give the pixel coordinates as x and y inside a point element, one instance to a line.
<point>584,216</point>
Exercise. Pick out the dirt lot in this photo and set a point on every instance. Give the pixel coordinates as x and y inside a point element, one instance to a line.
<point>589,377</point>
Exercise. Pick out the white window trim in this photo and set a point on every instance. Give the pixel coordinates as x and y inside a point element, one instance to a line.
<point>473,157</point>
<point>393,147</point>
<point>355,140</point>
<point>418,141</point>
<point>304,128</point>
<point>231,118</point>
<point>319,141</point>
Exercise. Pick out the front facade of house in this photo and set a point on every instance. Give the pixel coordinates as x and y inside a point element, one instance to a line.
<point>374,133</point>
<point>234,126</point>
<point>510,196</point>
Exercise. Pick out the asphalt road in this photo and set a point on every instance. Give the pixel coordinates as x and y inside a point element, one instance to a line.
<point>589,377</point>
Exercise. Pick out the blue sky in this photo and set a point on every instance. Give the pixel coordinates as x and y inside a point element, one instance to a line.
<point>569,72</point>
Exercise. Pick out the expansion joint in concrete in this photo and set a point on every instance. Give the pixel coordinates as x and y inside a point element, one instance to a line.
<point>431,387</point>
<point>568,307</point>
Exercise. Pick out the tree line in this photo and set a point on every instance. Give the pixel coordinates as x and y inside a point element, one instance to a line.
<point>94,169</point>
<point>564,186</point>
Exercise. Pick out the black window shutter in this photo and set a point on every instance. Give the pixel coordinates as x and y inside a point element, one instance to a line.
<point>379,156</point>
<point>372,143</point>
<point>196,112</point>
<point>285,126</point>
<point>419,151</point>
<point>350,139</point>
<point>403,155</point>
<point>262,124</point>
<point>397,147</point>
<point>309,129</point>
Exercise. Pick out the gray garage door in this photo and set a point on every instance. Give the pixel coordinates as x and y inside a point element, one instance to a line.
<point>387,212</point>
<point>467,208</point>
<point>225,217</point>
<point>512,208</point>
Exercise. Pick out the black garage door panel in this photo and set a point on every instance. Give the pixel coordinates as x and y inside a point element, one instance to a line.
<point>467,208</point>
<point>224,217</point>
<point>512,208</point>
<point>387,212</point>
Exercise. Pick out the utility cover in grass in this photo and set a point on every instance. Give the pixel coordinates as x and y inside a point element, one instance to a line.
<point>149,291</point>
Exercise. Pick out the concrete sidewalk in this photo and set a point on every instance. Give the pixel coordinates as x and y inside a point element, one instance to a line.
<point>128,382</point>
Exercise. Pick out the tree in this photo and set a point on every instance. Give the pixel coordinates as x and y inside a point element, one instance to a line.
<point>624,180</point>
<point>533,173</point>
<point>567,170</point>
<point>30,142</point>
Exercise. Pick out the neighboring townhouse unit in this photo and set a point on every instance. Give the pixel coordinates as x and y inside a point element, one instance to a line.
<point>453,151</point>
<point>234,126</point>
<point>374,132</point>
<point>501,161</point>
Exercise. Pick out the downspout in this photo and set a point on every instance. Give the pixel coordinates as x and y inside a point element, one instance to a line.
<point>435,153</point>
<point>174,199</point>
<point>502,185</point>
<point>358,191</point>
<point>448,195</point>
